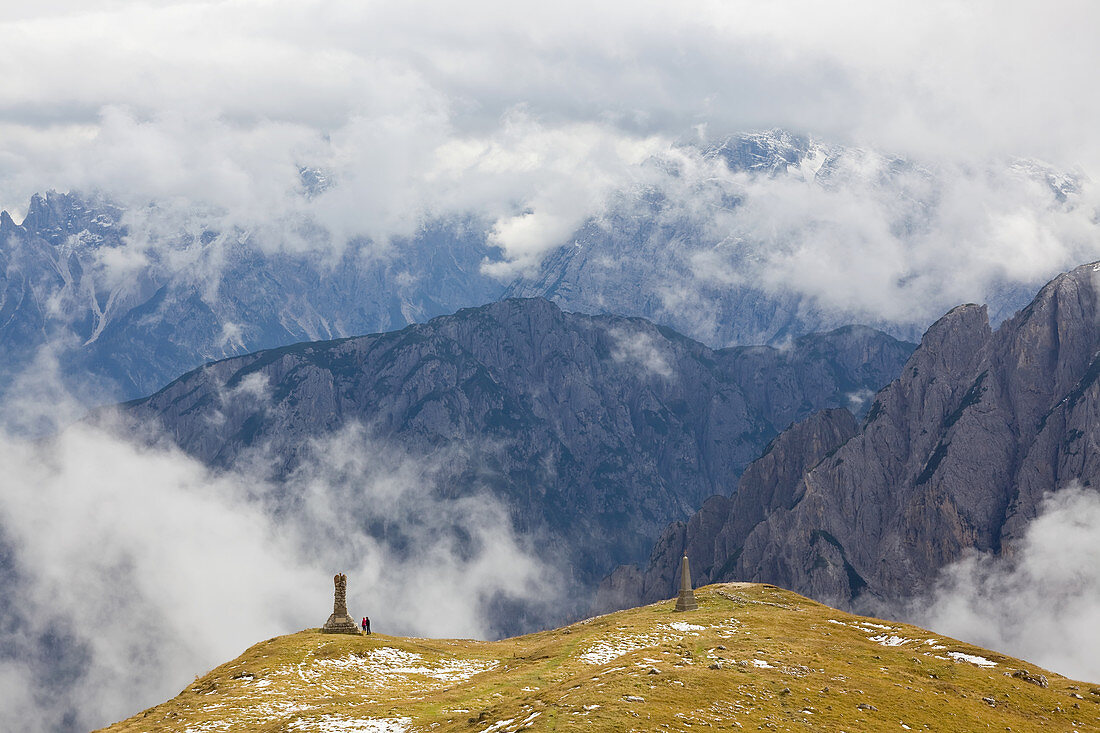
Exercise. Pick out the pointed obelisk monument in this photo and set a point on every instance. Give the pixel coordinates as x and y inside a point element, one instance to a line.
<point>686,600</point>
<point>340,622</point>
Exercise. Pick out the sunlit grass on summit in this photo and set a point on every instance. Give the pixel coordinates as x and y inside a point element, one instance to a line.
<point>751,657</point>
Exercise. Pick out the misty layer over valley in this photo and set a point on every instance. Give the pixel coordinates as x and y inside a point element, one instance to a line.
<point>128,570</point>
<point>502,310</point>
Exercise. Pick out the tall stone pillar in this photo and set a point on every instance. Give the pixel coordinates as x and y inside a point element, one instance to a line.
<point>686,600</point>
<point>340,622</point>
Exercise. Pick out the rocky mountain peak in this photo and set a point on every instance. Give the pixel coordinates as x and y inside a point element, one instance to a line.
<point>55,216</point>
<point>767,151</point>
<point>1051,341</point>
<point>955,455</point>
<point>49,212</point>
<point>957,336</point>
<point>7,224</point>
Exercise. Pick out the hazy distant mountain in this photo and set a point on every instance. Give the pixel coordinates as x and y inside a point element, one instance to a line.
<point>594,431</point>
<point>692,266</point>
<point>125,320</point>
<point>955,454</point>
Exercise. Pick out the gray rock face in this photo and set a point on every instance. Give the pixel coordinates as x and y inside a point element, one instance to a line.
<point>596,431</point>
<point>713,536</point>
<point>955,454</point>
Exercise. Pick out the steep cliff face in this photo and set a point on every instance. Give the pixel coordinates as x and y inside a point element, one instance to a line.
<point>955,454</point>
<point>713,537</point>
<point>596,430</point>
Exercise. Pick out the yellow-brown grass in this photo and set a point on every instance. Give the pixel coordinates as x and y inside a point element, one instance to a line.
<point>763,659</point>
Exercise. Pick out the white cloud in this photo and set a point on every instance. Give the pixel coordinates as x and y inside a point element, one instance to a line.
<point>858,399</point>
<point>153,569</point>
<point>914,245</point>
<point>1040,602</point>
<point>640,349</point>
<point>526,117</point>
<point>866,238</point>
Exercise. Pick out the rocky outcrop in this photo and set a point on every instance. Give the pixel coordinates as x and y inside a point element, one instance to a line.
<point>712,539</point>
<point>596,431</point>
<point>954,455</point>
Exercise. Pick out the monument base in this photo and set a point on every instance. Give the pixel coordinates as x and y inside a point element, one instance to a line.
<point>340,624</point>
<point>686,601</point>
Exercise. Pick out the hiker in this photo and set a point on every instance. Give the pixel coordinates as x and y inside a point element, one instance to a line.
<point>366,625</point>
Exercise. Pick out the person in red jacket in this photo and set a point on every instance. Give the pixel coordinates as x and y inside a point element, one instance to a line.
<point>366,625</point>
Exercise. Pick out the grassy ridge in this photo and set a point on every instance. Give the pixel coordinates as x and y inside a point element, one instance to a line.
<point>752,657</point>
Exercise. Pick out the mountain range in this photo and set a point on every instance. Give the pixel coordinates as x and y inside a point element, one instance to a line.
<point>125,317</point>
<point>124,300</point>
<point>954,455</point>
<point>594,431</point>
<point>840,461</point>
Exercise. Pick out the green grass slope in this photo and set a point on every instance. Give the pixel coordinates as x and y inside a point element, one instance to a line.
<point>752,657</point>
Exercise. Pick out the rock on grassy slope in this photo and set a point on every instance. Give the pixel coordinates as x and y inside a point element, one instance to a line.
<point>753,656</point>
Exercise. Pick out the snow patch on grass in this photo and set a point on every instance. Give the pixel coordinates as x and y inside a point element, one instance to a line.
<point>387,662</point>
<point>885,640</point>
<point>341,724</point>
<point>972,658</point>
<point>606,650</point>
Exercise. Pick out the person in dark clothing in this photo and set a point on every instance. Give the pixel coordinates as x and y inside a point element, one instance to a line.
<point>366,625</point>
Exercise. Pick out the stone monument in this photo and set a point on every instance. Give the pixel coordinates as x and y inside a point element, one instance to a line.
<point>340,622</point>
<point>686,600</point>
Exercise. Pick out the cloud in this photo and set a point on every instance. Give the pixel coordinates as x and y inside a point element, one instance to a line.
<point>34,399</point>
<point>1038,603</point>
<point>640,349</point>
<point>129,569</point>
<point>850,235</point>
<point>885,241</point>
<point>859,399</point>
<point>528,119</point>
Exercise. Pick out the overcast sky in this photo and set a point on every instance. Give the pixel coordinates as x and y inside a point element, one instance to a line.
<point>490,106</point>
